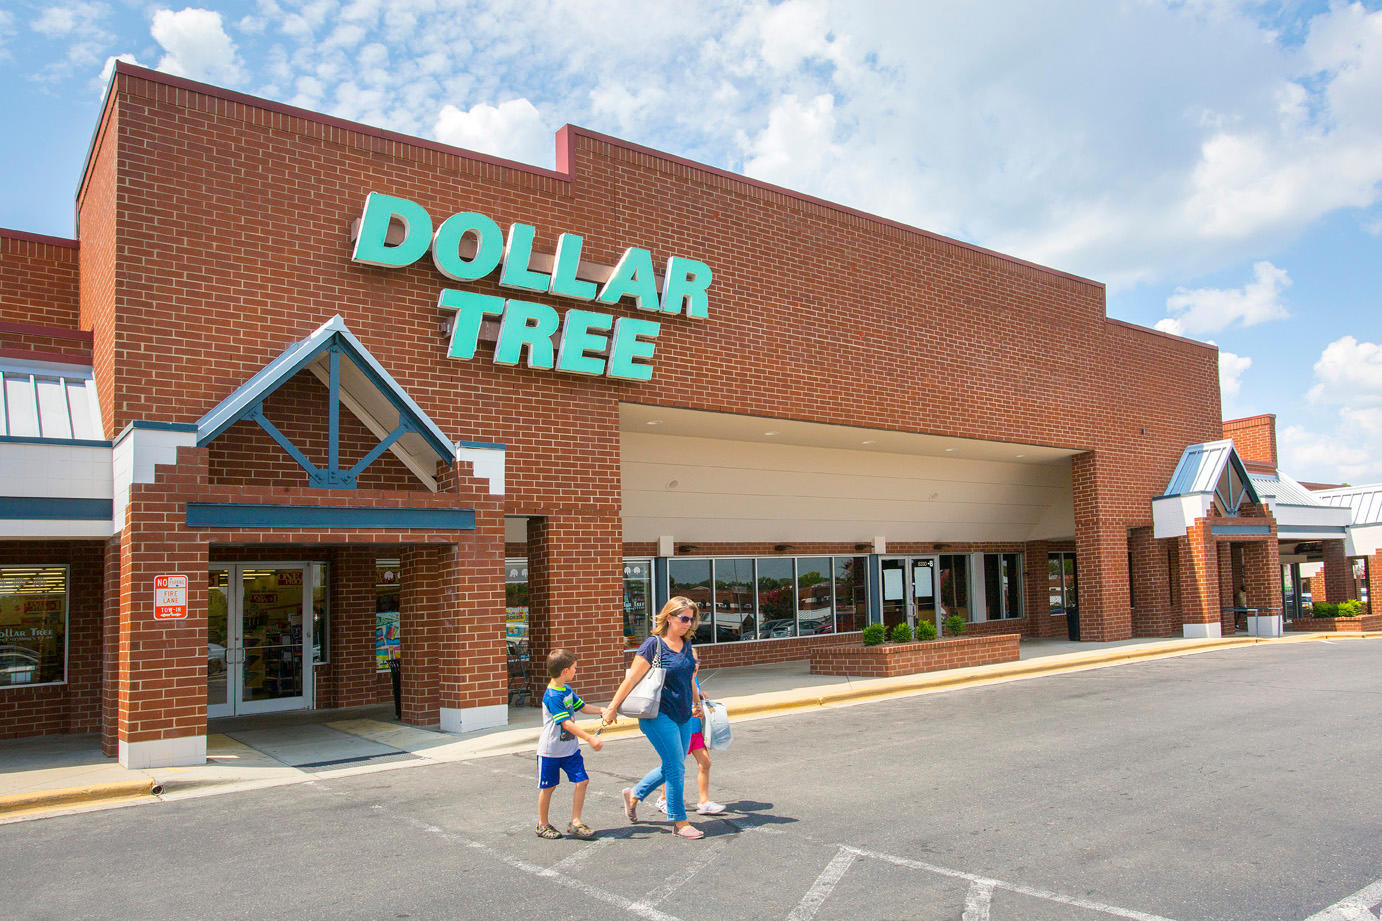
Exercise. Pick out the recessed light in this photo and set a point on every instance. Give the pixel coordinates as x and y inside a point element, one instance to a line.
<point>1021,455</point>
<point>653,422</point>
<point>770,433</point>
<point>869,442</point>
<point>949,450</point>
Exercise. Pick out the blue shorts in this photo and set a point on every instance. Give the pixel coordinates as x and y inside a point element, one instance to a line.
<point>548,770</point>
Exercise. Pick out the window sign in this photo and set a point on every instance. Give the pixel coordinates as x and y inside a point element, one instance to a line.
<point>469,246</point>
<point>33,625</point>
<point>388,589</point>
<point>638,600</point>
<point>516,608</point>
<point>892,585</point>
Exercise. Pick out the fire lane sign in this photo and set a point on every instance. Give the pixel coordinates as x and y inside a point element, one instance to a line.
<point>170,597</point>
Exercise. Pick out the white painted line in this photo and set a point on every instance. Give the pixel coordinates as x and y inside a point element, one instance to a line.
<point>1046,894</point>
<point>581,856</point>
<point>639,909</point>
<point>703,858</point>
<point>977,902</point>
<point>1357,907</point>
<point>824,885</point>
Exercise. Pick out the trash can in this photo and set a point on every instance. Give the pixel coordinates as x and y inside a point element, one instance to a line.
<point>1072,623</point>
<point>396,676</point>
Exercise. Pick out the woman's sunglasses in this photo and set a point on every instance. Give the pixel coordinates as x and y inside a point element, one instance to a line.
<point>685,618</point>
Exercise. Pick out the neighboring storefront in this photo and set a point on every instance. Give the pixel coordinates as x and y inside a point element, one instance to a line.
<point>305,397</point>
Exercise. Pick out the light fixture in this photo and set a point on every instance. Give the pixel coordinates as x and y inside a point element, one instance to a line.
<point>782,547</point>
<point>687,548</point>
<point>1021,455</point>
<point>653,422</point>
<point>869,442</point>
<point>770,433</point>
<point>863,546</point>
<point>949,450</point>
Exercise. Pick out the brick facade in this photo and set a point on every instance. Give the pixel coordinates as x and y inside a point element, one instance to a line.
<point>912,658</point>
<point>1255,439</point>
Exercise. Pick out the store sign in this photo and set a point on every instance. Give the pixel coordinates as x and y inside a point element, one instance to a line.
<point>170,597</point>
<point>581,342</point>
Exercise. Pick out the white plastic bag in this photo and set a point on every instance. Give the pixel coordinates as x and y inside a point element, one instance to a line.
<point>715,726</point>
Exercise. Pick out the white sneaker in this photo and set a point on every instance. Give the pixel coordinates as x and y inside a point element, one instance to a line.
<point>662,805</point>
<point>710,807</point>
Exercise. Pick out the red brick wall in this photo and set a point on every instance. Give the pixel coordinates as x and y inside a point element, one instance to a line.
<point>859,661</point>
<point>761,652</point>
<point>1337,584</point>
<point>1338,624</point>
<point>1254,438</point>
<point>1153,613</point>
<point>39,280</point>
<point>76,705</point>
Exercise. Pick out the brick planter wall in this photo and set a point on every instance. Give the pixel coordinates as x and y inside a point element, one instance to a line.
<point>760,652</point>
<point>1338,624</point>
<point>887,661</point>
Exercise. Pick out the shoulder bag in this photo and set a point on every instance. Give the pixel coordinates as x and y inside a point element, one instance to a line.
<point>645,700</point>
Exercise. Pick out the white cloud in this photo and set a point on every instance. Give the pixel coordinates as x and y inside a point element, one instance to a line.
<point>1348,396</point>
<point>1349,372</point>
<point>109,68</point>
<point>197,46</point>
<point>1328,458</point>
<point>1204,311</point>
<point>513,130</point>
<point>1231,368</point>
<point>63,20</point>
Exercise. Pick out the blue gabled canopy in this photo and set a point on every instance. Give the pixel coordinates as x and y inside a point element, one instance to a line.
<point>1213,468</point>
<point>362,384</point>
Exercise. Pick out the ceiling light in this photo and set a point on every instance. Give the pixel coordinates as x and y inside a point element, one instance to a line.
<point>653,422</point>
<point>869,442</point>
<point>770,433</point>
<point>949,450</point>
<point>1021,455</point>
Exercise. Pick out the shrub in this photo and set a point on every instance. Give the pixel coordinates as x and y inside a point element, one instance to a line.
<point>902,634</point>
<point>926,630</point>
<point>1326,609</point>
<point>954,625</point>
<point>1351,608</point>
<point>874,634</point>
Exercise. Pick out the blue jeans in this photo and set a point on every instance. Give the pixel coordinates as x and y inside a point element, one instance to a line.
<point>670,739</point>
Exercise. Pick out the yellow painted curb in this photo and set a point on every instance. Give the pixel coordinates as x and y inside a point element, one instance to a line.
<point>75,796</point>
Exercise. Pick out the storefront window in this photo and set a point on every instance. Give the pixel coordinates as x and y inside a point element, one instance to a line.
<point>691,579</point>
<point>815,602</point>
<point>1060,581</point>
<point>851,593</point>
<point>388,587</point>
<point>735,615</point>
<point>516,607</point>
<point>1360,578</point>
<point>33,625</point>
<point>321,615</point>
<point>1002,585</point>
<point>638,600</point>
<point>954,586</point>
<point>776,598</point>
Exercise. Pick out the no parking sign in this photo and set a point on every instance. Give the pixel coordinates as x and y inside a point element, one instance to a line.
<point>170,597</point>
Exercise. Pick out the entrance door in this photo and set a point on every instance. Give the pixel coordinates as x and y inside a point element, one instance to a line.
<point>909,590</point>
<point>258,629</point>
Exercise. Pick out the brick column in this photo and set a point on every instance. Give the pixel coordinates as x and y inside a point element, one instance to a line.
<point>1375,583</point>
<point>1338,574</point>
<point>1262,571</point>
<point>1199,581</point>
<point>474,689</point>
<point>1101,554</point>
<point>110,651</point>
<point>575,590</point>
<point>425,602</point>
<point>1035,598</point>
<point>1228,595</point>
<point>1151,614</point>
<point>351,679</point>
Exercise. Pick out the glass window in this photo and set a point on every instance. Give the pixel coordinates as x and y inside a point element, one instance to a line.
<point>735,617</point>
<point>1002,585</point>
<point>815,601</point>
<point>638,600</point>
<point>516,608</point>
<point>1061,583</point>
<point>1072,596</point>
<point>388,587</point>
<point>1360,578</point>
<point>321,615</point>
<point>954,585</point>
<point>851,593</point>
<point>1012,586</point>
<point>690,578</point>
<point>776,598</point>
<point>33,625</point>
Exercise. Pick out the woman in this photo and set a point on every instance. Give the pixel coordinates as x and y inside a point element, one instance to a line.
<point>670,731</point>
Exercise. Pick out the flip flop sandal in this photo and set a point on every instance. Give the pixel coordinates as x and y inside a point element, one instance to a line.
<point>548,832</point>
<point>689,831</point>
<point>581,830</point>
<point>630,805</point>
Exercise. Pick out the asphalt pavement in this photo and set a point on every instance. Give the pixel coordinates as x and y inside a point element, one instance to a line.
<point>1235,785</point>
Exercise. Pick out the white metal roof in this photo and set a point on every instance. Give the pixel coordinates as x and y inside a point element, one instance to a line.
<point>50,401</point>
<point>1364,501</point>
<point>1282,490</point>
<point>1200,467</point>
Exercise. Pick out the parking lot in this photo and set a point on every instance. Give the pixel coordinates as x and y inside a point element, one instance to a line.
<point>1226,785</point>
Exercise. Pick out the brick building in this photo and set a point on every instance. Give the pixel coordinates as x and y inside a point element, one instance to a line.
<point>304,395</point>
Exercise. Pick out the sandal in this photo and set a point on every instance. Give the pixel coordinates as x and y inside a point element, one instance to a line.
<point>548,832</point>
<point>630,805</point>
<point>689,831</point>
<point>581,830</point>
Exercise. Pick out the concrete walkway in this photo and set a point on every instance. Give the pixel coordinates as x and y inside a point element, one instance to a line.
<point>51,775</point>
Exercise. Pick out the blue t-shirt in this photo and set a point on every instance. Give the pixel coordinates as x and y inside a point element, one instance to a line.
<point>559,704</point>
<point>676,689</point>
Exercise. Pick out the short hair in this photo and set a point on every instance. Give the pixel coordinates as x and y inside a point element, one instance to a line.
<point>559,660</point>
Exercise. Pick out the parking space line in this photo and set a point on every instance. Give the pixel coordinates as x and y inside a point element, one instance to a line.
<point>703,858</point>
<point>1356,907</point>
<point>824,885</point>
<point>977,902</point>
<point>1046,894</point>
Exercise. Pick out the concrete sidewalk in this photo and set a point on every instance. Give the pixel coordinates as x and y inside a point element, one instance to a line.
<point>51,775</point>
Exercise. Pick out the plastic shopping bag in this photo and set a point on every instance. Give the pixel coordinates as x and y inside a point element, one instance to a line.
<point>715,727</point>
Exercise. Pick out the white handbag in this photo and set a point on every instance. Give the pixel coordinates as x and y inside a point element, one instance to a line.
<point>645,700</point>
<point>715,727</point>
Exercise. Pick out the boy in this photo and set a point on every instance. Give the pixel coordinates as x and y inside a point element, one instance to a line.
<point>559,747</point>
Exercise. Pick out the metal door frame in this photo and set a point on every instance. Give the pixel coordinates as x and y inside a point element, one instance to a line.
<point>235,705</point>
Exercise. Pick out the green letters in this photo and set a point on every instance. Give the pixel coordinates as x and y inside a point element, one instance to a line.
<point>685,282</point>
<point>529,324</point>
<point>633,338</point>
<point>446,246</point>
<point>471,310</point>
<point>371,245</point>
<point>518,252</point>
<point>632,276</point>
<point>564,265</point>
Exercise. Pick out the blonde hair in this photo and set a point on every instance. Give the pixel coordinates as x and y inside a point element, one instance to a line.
<point>676,605</point>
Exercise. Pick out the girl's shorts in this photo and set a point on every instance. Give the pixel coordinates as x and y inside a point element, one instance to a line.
<point>697,741</point>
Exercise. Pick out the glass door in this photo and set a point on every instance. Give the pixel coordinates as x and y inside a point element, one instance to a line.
<point>924,591</point>
<point>909,590</point>
<point>258,629</point>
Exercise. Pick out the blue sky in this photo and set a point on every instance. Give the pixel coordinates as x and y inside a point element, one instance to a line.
<point>1217,163</point>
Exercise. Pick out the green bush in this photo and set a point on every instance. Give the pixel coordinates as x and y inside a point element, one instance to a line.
<point>1325,609</point>
<point>954,625</point>
<point>902,634</point>
<point>1351,608</point>
<point>874,634</point>
<point>926,630</point>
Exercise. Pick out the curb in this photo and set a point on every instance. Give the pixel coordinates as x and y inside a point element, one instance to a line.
<point>68,797</point>
<point>910,685</point>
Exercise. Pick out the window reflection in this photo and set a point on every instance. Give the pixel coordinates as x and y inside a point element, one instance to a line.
<point>735,617</point>
<point>954,586</point>
<point>851,593</point>
<point>691,579</point>
<point>815,602</point>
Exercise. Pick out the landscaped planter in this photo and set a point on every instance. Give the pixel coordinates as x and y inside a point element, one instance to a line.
<point>854,660</point>
<point>1339,624</point>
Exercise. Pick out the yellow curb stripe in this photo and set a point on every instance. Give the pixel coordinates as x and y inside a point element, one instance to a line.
<point>75,796</point>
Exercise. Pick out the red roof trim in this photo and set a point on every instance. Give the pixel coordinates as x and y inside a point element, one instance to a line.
<point>57,358</point>
<point>1250,418</point>
<point>52,332</point>
<point>38,238</point>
